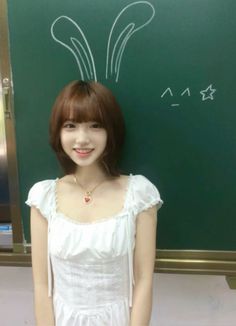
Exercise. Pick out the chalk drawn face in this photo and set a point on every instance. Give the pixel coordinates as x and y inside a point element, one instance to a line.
<point>207,94</point>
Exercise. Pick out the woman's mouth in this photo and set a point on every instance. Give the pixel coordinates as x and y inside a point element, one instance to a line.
<point>83,152</point>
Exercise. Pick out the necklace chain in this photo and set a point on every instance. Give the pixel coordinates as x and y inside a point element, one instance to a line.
<point>87,198</point>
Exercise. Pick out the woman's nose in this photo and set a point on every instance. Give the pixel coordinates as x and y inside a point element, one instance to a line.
<point>82,136</point>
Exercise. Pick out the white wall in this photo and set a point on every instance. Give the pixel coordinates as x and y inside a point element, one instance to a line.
<point>179,300</point>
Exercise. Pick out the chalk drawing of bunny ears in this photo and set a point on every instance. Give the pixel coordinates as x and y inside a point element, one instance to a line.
<point>120,33</point>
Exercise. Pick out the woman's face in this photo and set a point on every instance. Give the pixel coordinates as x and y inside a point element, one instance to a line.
<point>83,142</point>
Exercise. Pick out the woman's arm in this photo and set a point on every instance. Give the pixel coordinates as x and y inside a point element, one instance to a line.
<point>144,260</point>
<point>43,304</point>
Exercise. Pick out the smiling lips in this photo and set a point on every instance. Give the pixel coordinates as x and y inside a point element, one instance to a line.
<point>83,152</point>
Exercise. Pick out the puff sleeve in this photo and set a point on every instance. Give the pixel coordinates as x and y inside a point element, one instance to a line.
<point>41,197</point>
<point>145,195</point>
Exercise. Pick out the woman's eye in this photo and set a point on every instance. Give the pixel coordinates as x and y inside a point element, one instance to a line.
<point>69,125</point>
<point>96,125</point>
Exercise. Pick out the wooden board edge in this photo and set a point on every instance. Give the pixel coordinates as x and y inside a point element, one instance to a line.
<point>196,262</point>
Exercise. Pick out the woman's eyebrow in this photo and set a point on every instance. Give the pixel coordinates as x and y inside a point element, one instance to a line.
<point>70,120</point>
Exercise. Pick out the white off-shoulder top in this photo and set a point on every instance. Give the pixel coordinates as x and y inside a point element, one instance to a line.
<point>90,265</point>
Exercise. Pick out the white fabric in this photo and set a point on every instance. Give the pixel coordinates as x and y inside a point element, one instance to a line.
<point>90,265</point>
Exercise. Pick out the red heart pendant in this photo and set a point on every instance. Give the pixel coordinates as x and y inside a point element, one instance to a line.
<point>87,199</point>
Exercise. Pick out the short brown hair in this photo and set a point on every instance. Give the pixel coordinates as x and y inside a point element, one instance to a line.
<point>88,101</point>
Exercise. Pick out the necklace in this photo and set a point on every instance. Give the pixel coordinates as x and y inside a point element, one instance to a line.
<point>87,197</point>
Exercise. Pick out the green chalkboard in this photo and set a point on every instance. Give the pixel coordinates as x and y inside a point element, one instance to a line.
<point>171,64</point>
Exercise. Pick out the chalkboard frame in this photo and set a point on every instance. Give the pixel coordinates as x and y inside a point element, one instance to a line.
<point>167,261</point>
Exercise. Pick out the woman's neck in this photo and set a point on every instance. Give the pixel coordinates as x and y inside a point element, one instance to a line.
<point>90,175</point>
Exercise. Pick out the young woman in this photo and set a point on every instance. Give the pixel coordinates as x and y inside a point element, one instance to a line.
<point>93,231</point>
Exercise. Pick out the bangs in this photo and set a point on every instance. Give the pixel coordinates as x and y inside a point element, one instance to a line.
<point>82,108</point>
<point>79,102</point>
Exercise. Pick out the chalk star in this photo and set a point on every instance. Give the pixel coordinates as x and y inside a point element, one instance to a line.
<point>208,93</point>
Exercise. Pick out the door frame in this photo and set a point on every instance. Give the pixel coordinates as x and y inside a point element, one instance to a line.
<point>8,120</point>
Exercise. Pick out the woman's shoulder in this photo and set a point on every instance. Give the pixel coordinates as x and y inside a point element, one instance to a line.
<point>43,184</point>
<point>144,193</point>
<point>140,180</point>
<point>135,181</point>
<point>41,195</point>
<point>41,188</point>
